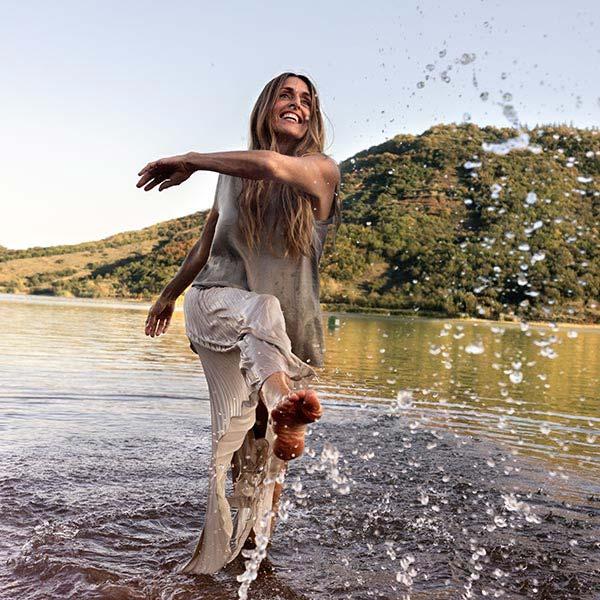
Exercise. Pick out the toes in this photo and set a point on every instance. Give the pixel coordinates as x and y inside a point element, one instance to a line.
<point>311,409</point>
<point>311,394</point>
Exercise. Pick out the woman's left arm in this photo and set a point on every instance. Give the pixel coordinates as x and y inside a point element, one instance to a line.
<point>315,174</point>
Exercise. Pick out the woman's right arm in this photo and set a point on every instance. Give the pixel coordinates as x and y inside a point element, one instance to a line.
<point>160,313</point>
<point>194,261</point>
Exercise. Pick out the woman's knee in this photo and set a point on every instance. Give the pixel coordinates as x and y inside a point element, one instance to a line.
<point>270,302</point>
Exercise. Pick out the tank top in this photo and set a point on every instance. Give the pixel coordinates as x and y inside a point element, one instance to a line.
<point>294,282</point>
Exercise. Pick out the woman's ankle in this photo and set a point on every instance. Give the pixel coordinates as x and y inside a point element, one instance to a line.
<point>275,389</point>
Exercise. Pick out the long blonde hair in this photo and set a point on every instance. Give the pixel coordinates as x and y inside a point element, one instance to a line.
<point>292,210</point>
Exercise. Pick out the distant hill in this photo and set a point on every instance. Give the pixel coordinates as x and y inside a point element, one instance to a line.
<point>432,223</point>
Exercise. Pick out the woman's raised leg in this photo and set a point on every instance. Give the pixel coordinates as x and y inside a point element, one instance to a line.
<point>290,411</point>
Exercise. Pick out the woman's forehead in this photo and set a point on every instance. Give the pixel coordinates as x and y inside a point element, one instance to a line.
<point>295,83</point>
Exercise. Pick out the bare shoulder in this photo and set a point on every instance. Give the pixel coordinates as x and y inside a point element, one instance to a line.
<point>332,177</point>
<point>315,174</point>
<point>330,182</point>
<point>326,164</point>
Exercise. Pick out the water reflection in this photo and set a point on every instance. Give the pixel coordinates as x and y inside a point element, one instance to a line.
<point>72,355</point>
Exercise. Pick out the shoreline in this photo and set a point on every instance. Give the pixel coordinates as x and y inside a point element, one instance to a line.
<point>327,308</point>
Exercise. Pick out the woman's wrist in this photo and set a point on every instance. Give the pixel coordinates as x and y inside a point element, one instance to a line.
<point>250,164</point>
<point>194,162</point>
<point>170,293</point>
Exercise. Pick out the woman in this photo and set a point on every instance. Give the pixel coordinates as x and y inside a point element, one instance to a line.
<point>252,314</point>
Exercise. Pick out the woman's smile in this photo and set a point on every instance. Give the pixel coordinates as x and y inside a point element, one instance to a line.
<point>291,117</point>
<point>292,107</point>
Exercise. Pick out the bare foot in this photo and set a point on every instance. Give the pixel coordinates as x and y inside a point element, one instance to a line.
<point>290,417</point>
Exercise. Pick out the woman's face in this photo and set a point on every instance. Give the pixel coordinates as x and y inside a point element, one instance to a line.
<point>291,110</point>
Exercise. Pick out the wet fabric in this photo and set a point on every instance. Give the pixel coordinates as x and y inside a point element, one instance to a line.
<point>295,282</point>
<point>241,340</point>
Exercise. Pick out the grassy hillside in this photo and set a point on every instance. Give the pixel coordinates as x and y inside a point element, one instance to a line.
<point>431,223</point>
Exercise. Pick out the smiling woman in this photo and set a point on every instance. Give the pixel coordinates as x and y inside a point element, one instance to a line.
<point>252,314</point>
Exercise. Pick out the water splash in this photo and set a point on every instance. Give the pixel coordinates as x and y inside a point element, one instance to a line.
<point>328,463</point>
<point>520,142</point>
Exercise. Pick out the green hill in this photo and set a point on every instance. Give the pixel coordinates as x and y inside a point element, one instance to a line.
<point>431,223</point>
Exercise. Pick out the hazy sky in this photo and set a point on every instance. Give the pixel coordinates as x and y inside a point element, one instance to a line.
<point>92,91</point>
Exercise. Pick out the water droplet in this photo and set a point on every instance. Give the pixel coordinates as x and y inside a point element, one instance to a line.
<point>531,198</point>
<point>537,257</point>
<point>467,58</point>
<point>516,376</point>
<point>404,400</point>
<point>472,165</point>
<point>475,348</point>
<point>500,521</point>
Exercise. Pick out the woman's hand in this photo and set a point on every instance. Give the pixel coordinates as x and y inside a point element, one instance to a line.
<point>159,317</point>
<point>166,171</point>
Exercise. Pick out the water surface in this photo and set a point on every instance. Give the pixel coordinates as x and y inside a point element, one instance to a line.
<point>434,448</point>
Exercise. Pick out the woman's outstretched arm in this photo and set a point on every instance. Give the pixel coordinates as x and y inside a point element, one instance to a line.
<point>315,174</point>
<point>159,316</point>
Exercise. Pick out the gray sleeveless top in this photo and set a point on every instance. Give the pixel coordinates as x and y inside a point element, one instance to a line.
<point>294,282</point>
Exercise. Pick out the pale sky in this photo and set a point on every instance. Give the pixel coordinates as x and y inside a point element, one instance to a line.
<point>92,91</point>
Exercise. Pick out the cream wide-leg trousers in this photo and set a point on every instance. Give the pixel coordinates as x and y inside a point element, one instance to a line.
<point>241,340</point>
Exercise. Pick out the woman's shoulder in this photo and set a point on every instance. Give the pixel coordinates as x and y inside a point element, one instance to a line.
<point>321,154</point>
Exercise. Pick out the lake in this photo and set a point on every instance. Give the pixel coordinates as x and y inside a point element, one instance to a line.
<point>442,442</point>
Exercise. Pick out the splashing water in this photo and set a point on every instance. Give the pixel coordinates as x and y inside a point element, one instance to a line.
<point>255,557</point>
<point>475,348</point>
<point>520,142</point>
<point>328,463</point>
<point>261,538</point>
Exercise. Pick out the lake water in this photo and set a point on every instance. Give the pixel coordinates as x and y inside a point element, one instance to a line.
<point>455,445</point>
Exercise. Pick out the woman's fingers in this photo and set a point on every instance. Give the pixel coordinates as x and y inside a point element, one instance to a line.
<point>153,183</point>
<point>167,172</point>
<point>163,325</point>
<point>150,165</point>
<point>156,325</point>
<point>159,318</point>
<point>152,171</point>
<point>149,325</point>
<point>175,179</point>
<point>144,180</point>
